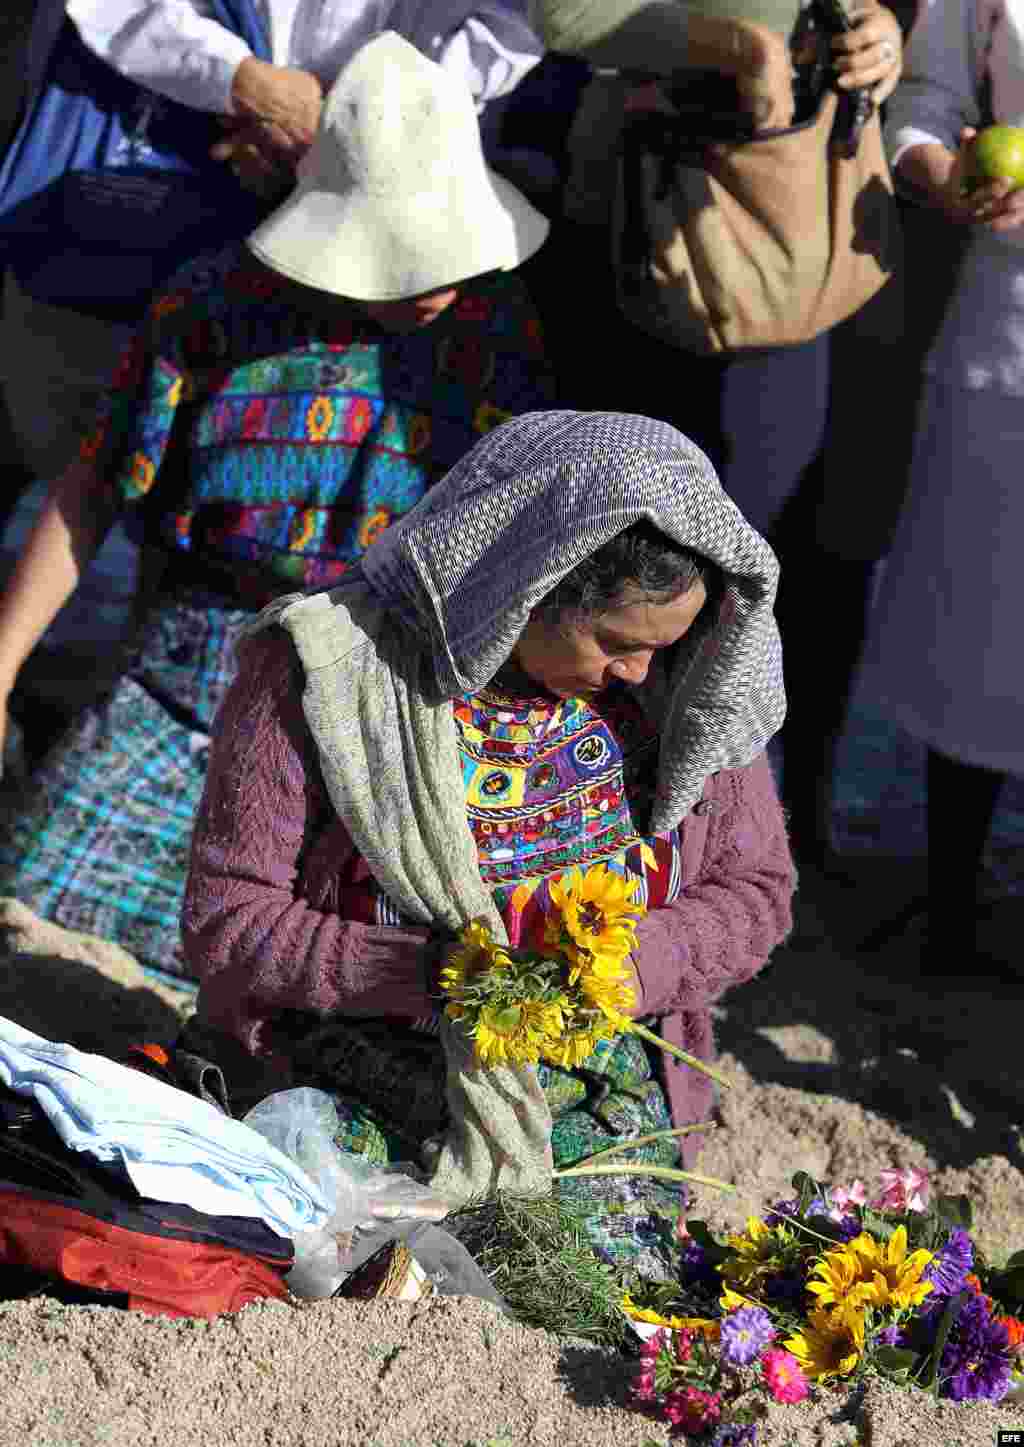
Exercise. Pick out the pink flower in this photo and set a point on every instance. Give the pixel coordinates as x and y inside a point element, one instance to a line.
<point>901,1191</point>
<point>684,1345</point>
<point>652,1346</point>
<point>643,1385</point>
<point>693,1410</point>
<point>783,1376</point>
<point>855,1195</point>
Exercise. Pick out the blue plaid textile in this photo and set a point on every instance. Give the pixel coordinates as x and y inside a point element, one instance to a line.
<point>102,845</point>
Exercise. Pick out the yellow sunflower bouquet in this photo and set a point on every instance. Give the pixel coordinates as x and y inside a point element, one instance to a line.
<point>523,1006</point>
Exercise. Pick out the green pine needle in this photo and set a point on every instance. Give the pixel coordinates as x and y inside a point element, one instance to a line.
<point>535,1252</point>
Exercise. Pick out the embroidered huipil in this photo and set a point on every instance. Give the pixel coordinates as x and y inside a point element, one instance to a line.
<point>550,785</point>
<point>265,448</point>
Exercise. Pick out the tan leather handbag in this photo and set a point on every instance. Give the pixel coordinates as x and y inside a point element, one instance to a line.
<point>722,246</point>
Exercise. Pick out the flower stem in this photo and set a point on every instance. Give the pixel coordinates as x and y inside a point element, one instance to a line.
<point>646,1140</point>
<point>683,1055</point>
<point>662,1173</point>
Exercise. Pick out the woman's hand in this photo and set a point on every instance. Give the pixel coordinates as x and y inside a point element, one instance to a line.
<point>870,56</point>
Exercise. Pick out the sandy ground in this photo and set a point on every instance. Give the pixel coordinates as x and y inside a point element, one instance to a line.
<point>839,1067</point>
<point>834,1070</point>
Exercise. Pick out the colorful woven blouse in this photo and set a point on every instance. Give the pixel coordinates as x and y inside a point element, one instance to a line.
<point>550,784</point>
<point>270,447</point>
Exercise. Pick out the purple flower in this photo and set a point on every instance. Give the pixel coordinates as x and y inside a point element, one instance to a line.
<point>734,1434</point>
<point>948,1271</point>
<point>892,1336</point>
<point>781,1212</point>
<point>695,1269</point>
<point>975,1362</point>
<point>745,1334</point>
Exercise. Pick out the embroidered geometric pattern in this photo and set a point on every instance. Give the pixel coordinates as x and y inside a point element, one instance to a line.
<point>276,446</point>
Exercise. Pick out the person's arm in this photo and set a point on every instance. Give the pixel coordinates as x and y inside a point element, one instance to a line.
<point>256,944</point>
<point>661,38</point>
<point>68,533</point>
<point>935,108</point>
<point>935,113</point>
<point>176,48</point>
<point>724,926</point>
<point>173,47</point>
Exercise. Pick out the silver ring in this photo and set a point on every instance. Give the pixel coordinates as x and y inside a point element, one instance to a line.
<point>888,51</point>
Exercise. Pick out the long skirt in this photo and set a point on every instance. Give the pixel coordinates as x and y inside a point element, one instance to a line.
<point>388,1085</point>
<point>101,841</point>
<point>944,656</point>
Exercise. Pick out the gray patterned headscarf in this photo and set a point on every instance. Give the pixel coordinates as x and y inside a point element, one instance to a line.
<point>533,499</point>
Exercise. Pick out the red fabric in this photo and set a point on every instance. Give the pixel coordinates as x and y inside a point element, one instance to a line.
<point>159,1275</point>
<point>265,927</point>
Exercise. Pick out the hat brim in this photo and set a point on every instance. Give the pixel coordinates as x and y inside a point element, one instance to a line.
<point>388,248</point>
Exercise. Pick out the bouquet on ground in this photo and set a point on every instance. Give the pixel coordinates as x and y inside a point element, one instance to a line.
<point>825,1290</point>
<point>557,1004</point>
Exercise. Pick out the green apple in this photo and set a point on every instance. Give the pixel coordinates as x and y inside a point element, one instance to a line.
<point>997,153</point>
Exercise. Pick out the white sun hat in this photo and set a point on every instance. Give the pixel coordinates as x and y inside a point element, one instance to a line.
<point>394,197</point>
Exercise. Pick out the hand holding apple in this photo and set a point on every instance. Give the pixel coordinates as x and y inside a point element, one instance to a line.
<point>985,183</point>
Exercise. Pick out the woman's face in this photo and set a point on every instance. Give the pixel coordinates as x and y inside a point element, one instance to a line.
<point>580,659</point>
<point>411,313</point>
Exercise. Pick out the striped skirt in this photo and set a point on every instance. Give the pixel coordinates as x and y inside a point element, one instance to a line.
<point>388,1086</point>
<point>100,841</point>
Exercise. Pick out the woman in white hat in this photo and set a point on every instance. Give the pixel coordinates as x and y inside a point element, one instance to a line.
<point>69,308</point>
<point>284,403</point>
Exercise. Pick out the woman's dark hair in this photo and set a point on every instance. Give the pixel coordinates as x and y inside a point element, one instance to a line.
<point>639,563</point>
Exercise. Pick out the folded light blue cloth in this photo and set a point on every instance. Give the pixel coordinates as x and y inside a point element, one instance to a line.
<point>174,1147</point>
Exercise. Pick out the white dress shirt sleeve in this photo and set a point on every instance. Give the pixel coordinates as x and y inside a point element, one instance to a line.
<point>172,47</point>
<point>944,66</point>
<point>492,48</point>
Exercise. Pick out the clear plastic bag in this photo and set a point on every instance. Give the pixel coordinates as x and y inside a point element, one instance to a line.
<point>372,1204</point>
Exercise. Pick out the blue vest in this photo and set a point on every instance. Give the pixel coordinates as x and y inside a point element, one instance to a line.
<point>108,188</point>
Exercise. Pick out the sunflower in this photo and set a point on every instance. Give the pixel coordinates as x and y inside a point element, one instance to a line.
<point>830,1345</point>
<point>842,1280</point>
<point>597,913</point>
<point>895,1277</point>
<point>710,1328</point>
<point>515,1034</point>
<point>732,1300</point>
<point>755,1254</point>
<point>573,1046</point>
<point>607,988</point>
<point>476,951</point>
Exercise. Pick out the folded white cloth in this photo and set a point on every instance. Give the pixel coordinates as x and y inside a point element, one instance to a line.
<point>174,1147</point>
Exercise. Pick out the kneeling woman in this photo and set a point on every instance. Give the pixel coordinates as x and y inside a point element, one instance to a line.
<point>566,654</point>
